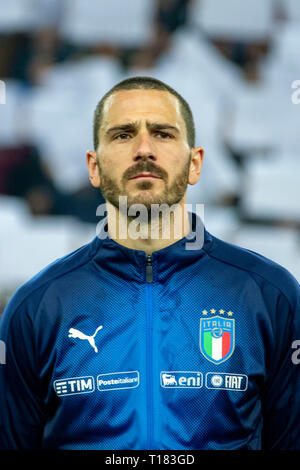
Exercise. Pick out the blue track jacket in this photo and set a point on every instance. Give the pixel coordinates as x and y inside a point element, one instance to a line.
<point>108,348</point>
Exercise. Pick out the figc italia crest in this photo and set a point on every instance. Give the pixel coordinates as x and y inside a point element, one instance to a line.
<point>217,336</point>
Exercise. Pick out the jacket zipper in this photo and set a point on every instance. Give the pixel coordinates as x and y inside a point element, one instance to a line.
<point>149,273</point>
<point>149,278</point>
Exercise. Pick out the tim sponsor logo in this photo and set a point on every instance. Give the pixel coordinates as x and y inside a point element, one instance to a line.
<point>224,381</point>
<point>74,385</point>
<point>181,379</point>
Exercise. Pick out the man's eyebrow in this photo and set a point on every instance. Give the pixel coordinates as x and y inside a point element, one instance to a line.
<point>162,126</point>
<point>122,127</point>
<point>132,126</point>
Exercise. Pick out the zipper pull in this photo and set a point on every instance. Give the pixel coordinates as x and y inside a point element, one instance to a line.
<point>149,273</point>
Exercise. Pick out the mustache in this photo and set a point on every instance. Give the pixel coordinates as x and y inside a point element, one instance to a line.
<point>143,167</point>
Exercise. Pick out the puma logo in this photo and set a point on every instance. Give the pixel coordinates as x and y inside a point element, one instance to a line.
<point>73,333</point>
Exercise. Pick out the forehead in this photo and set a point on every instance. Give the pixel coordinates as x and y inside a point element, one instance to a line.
<point>136,105</point>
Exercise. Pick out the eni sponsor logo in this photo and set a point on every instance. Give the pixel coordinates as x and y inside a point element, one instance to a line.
<point>181,379</point>
<point>226,381</point>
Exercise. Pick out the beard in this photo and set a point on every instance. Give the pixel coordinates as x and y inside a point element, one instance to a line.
<point>171,193</point>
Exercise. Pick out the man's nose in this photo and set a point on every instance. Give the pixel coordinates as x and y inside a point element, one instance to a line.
<point>144,147</point>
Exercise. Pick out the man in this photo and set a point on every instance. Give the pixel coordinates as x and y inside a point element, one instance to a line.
<point>151,342</point>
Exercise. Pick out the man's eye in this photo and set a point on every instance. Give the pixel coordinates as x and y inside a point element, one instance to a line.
<point>163,135</point>
<point>122,136</point>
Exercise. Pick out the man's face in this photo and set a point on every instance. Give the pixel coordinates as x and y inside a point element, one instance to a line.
<point>143,151</point>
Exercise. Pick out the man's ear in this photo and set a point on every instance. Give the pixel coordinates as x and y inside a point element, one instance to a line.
<point>197,155</point>
<point>91,160</point>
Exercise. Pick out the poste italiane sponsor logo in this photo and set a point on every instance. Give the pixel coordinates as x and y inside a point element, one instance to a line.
<point>118,380</point>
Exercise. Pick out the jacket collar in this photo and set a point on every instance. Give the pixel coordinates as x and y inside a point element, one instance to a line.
<point>130,264</point>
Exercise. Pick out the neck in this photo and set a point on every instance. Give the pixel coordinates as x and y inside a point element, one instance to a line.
<point>148,233</point>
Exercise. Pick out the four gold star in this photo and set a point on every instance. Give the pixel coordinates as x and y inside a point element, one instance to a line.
<point>221,311</point>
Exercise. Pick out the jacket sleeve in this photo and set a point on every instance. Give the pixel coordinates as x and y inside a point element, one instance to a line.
<point>22,415</point>
<point>281,395</point>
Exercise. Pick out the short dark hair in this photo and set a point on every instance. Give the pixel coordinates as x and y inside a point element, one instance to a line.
<point>145,83</point>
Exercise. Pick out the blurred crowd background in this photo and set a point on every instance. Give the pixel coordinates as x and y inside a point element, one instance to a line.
<point>236,62</point>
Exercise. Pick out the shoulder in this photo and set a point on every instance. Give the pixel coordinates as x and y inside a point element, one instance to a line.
<point>255,265</point>
<point>33,290</point>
